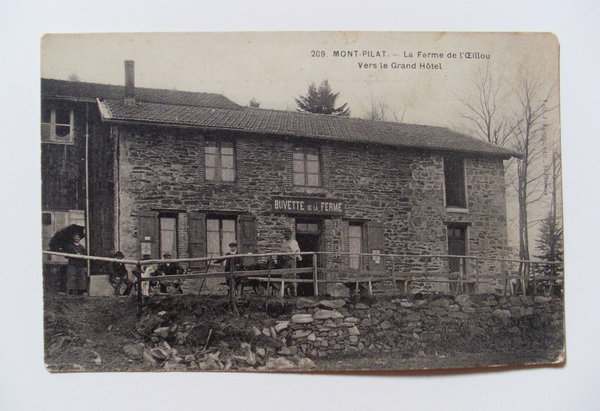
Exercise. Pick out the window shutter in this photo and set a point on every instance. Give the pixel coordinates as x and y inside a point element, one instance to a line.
<point>375,244</point>
<point>147,234</point>
<point>248,234</point>
<point>197,238</point>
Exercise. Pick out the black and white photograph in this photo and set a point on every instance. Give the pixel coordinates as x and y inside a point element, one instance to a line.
<point>301,201</point>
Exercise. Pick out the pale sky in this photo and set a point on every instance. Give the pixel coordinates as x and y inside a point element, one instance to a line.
<point>274,68</point>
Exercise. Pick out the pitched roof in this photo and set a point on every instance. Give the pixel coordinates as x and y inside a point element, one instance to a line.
<point>77,90</point>
<point>215,111</point>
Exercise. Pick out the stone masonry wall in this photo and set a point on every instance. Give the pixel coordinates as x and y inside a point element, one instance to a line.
<point>163,168</point>
<point>437,323</point>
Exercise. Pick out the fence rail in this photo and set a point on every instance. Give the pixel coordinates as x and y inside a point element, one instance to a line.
<point>461,273</point>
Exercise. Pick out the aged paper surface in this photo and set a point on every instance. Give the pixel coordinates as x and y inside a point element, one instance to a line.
<point>423,190</point>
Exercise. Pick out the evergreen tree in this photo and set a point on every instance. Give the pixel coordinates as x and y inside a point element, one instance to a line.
<point>321,101</point>
<point>550,245</point>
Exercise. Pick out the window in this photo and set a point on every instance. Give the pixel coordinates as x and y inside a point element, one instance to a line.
<point>219,161</point>
<point>57,125</point>
<point>307,170</point>
<point>168,234</point>
<point>356,244</point>
<point>454,177</point>
<point>219,233</point>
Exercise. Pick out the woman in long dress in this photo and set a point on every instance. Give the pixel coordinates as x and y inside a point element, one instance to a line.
<point>76,268</point>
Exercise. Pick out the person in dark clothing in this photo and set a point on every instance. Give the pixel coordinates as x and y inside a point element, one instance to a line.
<point>237,262</point>
<point>118,276</point>
<point>170,269</point>
<point>76,268</point>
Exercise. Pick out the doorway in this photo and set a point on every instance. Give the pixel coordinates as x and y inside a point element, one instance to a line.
<point>308,236</point>
<point>457,245</point>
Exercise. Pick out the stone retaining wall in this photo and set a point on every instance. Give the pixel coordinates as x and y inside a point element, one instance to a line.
<point>334,327</point>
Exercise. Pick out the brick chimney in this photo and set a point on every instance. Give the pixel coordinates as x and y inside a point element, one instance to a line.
<point>129,83</point>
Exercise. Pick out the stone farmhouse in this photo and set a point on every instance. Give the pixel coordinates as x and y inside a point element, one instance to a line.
<point>151,171</point>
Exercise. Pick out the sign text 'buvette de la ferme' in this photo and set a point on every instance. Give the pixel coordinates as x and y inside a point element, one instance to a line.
<point>313,206</point>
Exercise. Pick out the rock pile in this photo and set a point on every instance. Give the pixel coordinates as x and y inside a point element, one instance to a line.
<point>317,329</point>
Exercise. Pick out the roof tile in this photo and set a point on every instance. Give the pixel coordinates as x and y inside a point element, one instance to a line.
<point>169,107</point>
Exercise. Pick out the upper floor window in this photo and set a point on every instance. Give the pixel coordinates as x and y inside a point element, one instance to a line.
<point>219,161</point>
<point>57,125</point>
<point>307,168</point>
<point>454,178</point>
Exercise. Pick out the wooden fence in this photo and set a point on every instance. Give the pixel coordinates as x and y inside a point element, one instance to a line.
<point>356,270</point>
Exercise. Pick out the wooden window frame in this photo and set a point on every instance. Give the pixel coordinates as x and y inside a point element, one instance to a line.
<point>160,217</point>
<point>306,151</point>
<point>48,130</point>
<point>223,248</point>
<point>457,183</point>
<point>218,167</point>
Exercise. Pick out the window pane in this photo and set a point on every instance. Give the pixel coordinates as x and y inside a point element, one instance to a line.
<point>210,173</point>
<point>227,149</point>
<point>63,116</point>
<point>298,166</point>
<point>229,225</point>
<point>313,180</point>
<point>227,161</point>
<point>63,131</point>
<point>228,175</point>
<point>298,179</point>
<point>212,246</point>
<point>211,147</point>
<point>313,227</point>
<point>355,231</point>
<point>212,225</point>
<point>312,157</point>
<point>299,156</point>
<point>167,223</point>
<point>301,227</point>
<point>209,160</point>
<point>313,167</point>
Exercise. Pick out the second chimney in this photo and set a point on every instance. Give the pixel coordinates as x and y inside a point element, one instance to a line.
<point>129,83</point>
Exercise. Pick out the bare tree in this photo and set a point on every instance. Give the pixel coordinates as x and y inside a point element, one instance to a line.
<point>529,136</point>
<point>484,109</point>
<point>379,110</point>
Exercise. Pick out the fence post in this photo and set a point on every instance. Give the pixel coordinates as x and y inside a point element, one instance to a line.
<point>315,274</point>
<point>138,275</point>
<point>394,274</point>
<point>231,277</point>
<point>426,274</point>
<point>476,275</point>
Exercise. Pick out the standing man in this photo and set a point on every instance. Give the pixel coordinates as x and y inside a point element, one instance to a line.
<point>236,261</point>
<point>292,250</point>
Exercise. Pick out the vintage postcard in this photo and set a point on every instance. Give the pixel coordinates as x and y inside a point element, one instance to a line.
<point>301,201</point>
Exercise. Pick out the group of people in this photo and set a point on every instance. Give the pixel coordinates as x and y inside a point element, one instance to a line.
<point>119,276</point>
<point>122,283</point>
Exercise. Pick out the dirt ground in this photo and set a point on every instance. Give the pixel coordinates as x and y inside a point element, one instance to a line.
<point>85,333</point>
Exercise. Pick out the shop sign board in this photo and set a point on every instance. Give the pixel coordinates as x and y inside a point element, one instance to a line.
<point>311,206</point>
